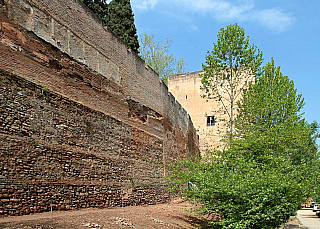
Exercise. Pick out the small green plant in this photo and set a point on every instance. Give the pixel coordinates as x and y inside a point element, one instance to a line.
<point>134,188</point>
<point>48,99</point>
<point>45,91</point>
<point>88,127</point>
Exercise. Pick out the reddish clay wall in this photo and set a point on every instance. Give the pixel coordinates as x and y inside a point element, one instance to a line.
<point>83,121</point>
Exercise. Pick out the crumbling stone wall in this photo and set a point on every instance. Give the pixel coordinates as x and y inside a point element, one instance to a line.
<point>56,150</point>
<point>83,121</point>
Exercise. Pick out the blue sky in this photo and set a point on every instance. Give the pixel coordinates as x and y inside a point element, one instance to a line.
<point>287,30</point>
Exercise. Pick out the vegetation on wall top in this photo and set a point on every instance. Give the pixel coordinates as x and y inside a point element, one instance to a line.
<point>157,56</point>
<point>118,17</point>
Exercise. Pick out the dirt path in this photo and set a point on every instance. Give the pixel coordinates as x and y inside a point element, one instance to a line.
<point>308,218</point>
<point>173,215</point>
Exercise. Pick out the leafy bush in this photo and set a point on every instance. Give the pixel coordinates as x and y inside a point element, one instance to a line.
<point>270,167</point>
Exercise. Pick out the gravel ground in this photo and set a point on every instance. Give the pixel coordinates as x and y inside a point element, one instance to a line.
<point>173,215</point>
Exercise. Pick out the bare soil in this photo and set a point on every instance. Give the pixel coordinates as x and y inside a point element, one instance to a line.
<point>293,222</point>
<point>172,215</point>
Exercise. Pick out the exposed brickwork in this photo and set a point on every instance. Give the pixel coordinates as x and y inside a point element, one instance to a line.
<point>49,143</point>
<point>83,121</point>
<point>25,199</point>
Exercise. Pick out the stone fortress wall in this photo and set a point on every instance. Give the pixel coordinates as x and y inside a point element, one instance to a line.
<point>83,121</point>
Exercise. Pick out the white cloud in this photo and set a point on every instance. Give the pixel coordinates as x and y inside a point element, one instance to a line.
<point>224,10</point>
<point>194,28</point>
<point>233,12</point>
<point>274,19</point>
<point>145,4</point>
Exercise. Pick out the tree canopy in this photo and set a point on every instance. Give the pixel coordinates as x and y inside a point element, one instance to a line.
<point>121,22</point>
<point>261,179</point>
<point>229,67</point>
<point>270,115</point>
<point>118,17</point>
<point>99,8</point>
<point>157,56</point>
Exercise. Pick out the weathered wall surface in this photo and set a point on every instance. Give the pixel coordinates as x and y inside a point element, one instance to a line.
<point>83,121</point>
<point>54,149</point>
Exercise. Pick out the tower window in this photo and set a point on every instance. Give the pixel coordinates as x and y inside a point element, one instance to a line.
<point>210,121</point>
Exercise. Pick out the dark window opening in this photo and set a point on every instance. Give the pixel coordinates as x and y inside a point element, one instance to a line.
<point>186,96</point>
<point>210,121</point>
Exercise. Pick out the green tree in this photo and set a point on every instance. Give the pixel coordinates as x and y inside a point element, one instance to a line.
<point>99,8</point>
<point>269,116</point>
<point>265,173</point>
<point>240,193</point>
<point>121,22</point>
<point>157,56</point>
<point>315,166</point>
<point>228,68</point>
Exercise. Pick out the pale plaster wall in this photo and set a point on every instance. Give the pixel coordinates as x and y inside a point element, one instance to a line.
<point>185,88</point>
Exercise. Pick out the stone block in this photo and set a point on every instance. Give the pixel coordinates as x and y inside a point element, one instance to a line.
<point>91,58</point>
<point>60,37</point>
<point>114,72</point>
<point>21,13</point>
<point>76,48</point>
<point>43,26</point>
<point>103,63</point>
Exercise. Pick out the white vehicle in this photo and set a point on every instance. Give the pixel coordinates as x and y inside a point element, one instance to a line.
<point>312,204</point>
<point>316,209</point>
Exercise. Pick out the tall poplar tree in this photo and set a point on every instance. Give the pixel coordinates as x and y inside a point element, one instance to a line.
<point>228,68</point>
<point>121,22</point>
